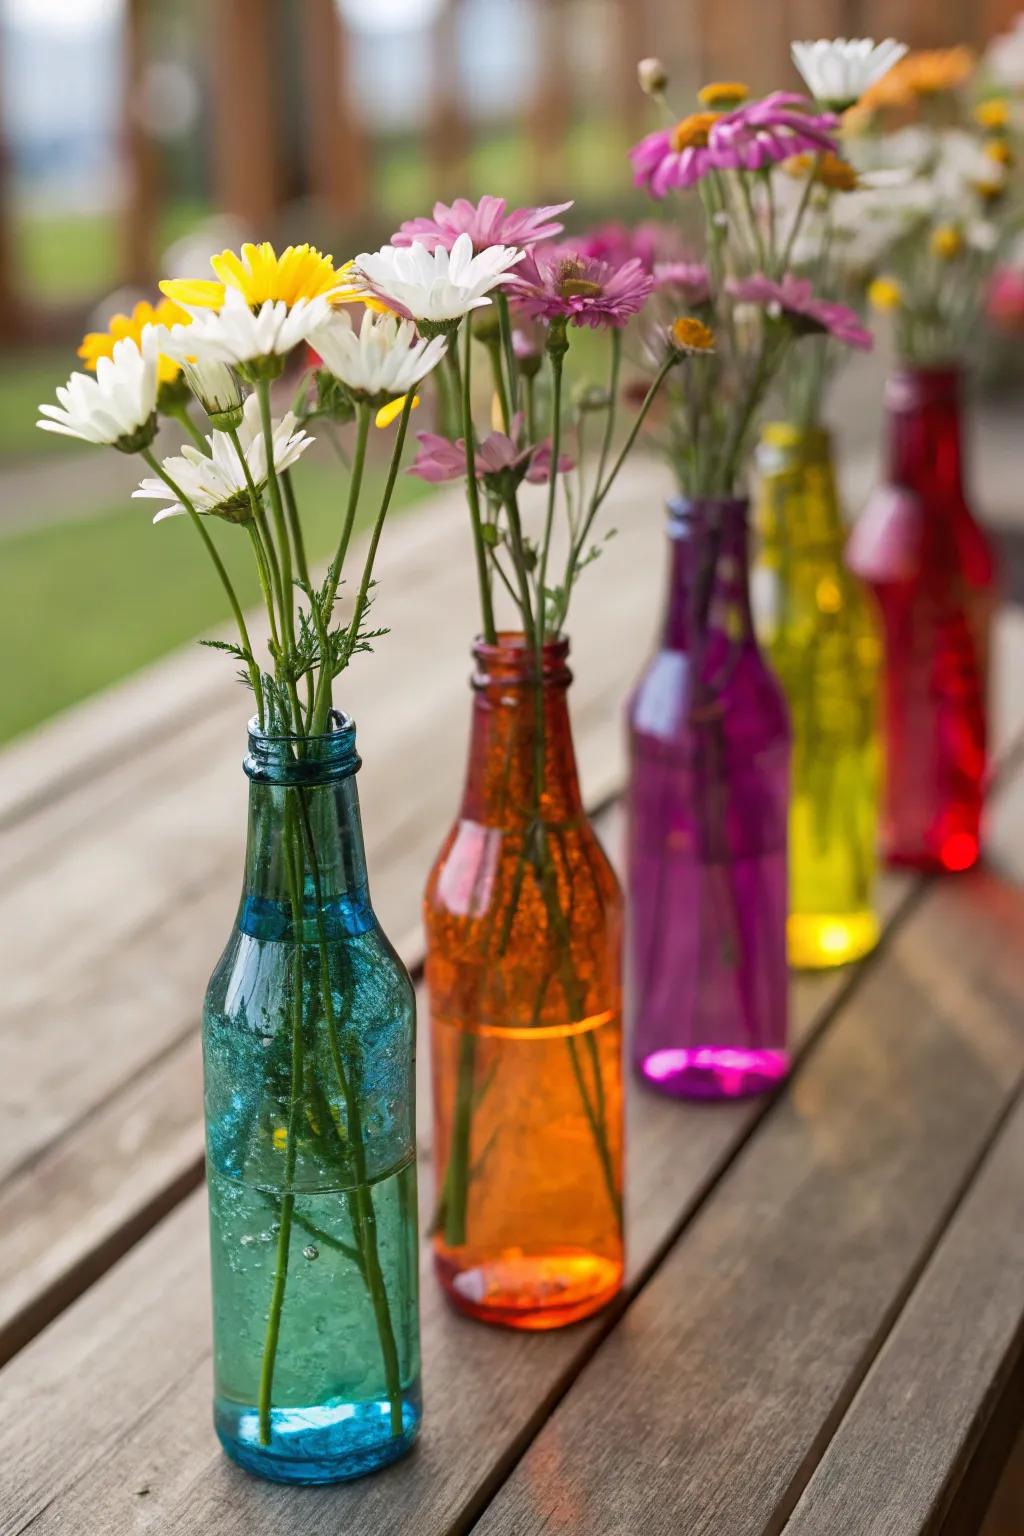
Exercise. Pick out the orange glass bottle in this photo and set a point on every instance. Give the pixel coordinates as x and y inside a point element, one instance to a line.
<point>524,925</point>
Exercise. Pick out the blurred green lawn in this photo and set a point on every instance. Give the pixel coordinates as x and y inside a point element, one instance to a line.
<point>87,602</point>
<point>116,593</point>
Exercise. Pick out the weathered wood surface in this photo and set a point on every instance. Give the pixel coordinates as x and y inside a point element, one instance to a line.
<point>708,1407</point>
<point>898,1459</point>
<point>696,1402</point>
<point>818,1210</point>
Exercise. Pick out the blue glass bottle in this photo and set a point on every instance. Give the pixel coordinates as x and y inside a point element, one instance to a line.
<point>308,1051</point>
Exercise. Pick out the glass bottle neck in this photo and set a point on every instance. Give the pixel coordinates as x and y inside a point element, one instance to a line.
<point>304,853</point>
<point>925,449</point>
<point>709,589</point>
<point>522,764</point>
<point>798,506</point>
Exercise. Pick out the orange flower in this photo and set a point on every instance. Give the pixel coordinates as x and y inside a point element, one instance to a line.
<point>692,132</point>
<point>829,170</point>
<point>689,335</point>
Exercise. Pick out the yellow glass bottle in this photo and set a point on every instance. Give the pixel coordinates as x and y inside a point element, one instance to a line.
<point>821,632</point>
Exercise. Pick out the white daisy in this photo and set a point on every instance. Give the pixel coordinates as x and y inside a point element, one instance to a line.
<point>215,483</point>
<point>117,406</point>
<point>1005,56</point>
<point>437,287</point>
<point>382,359</point>
<point>838,70</point>
<point>240,336</point>
<point>217,389</point>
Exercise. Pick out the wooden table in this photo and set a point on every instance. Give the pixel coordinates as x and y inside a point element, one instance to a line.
<point>822,1327</point>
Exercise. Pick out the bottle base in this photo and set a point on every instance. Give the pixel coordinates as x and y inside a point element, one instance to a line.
<point>957,853</point>
<point>535,1292</point>
<point>818,941</point>
<point>713,1071</point>
<point>323,1443</point>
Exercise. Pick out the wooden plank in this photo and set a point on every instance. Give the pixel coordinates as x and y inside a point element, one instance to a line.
<point>709,1407</point>
<point>898,1458</point>
<point>488,1391</point>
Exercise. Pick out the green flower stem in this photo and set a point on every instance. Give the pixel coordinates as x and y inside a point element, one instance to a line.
<point>463,383</point>
<point>211,549</point>
<point>180,414</point>
<point>280,1281</point>
<point>613,402</point>
<point>262,543</point>
<point>497,371</point>
<point>365,1216</point>
<point>378,528</point>
<point>299,543</point>
<point>505,331</point>
<point>798,217</point>
<point>322,697</point>
<point>277,511</point>
<point>557,359</point>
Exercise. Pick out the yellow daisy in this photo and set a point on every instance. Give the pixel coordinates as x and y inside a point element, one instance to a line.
<point>259,274</point>
<point>946,242</point>
<point>99,344</point>
<point>993,114</point>
<point>885,294</point>
<point>723,94</point>
<point>689,335</point>
<point>828,170</point>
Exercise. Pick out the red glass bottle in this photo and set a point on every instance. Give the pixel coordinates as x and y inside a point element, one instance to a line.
<point>932,569</point>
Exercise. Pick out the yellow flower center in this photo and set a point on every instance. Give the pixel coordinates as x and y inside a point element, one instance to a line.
<point>993,114</point>
<point>691,335</point>
<point>99,344</point>
<point>829,170</point>
<point>259,274</point>
<point>692,132</point>
<point>573,285</point>
<point>947,242</point>
<point>885,293</point>
<point>999,151</point>
<point>723,94</point>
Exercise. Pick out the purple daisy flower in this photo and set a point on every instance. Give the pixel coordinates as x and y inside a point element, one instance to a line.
<point>795,298</point>
<point>486,223</point>
<point>689,281</point>
<point>440,459</point>
<point>558,283</point>
<point>649,242</point>
<point>766,132</point>
<point>675,157</point>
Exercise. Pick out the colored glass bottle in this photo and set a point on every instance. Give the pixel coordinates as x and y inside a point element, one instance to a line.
<point>818,625</point>
<point>523,924</point>
<point>308,1049</point>
<point>707,802</point>
<point>931,567</point>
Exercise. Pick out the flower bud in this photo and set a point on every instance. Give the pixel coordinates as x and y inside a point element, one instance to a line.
<point>653,77</point>
<point>218,391</point>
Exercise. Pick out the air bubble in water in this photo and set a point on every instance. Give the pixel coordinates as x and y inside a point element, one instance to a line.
<point>311,1251</point>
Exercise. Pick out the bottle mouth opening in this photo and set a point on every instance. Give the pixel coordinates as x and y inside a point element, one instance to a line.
<point>511,659</point>
<point>910,386</point>
<point>690,516</point>
<point>291,759</point>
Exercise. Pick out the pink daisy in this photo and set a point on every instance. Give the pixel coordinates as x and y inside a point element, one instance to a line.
<point>650,242</point>
<point>690,281</point>
<point>794,297</point>
<point>440,459</point>
<point>487,223</point>
<point>559,283</point>
<point>674,157</point>
<point>766,132</point>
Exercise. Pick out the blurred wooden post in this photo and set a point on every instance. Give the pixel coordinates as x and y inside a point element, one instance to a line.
<point>139,215</point>
<point>11,314</point>
<point>448,133</point>
<point>246,107</point>
<point>743,40</point>
<point>550,114</point>
<point>336,165</point>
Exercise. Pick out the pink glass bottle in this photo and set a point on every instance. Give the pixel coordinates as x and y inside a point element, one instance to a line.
<point>707,823</point>
<point>933,572</point>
